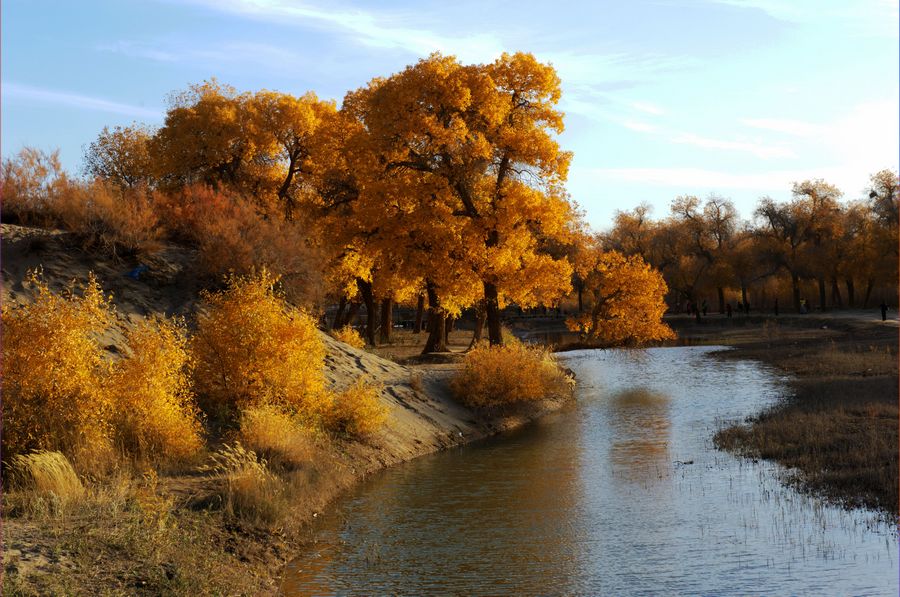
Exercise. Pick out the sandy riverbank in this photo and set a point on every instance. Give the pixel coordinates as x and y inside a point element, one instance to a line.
<point>159,533</point>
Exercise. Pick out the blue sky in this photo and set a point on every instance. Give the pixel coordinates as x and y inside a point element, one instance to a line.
<point>662,97</point>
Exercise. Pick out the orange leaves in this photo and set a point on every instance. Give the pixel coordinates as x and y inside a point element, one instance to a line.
<point>628,299</point>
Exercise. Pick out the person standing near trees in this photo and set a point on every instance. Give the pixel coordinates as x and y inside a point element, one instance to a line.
<point>884,309</point>
<point>776,307</point>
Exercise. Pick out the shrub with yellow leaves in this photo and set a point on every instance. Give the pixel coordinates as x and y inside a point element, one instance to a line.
<point>253,348</point>
<point>348,335</point>
<point>54,397</point>
<point>494,376</point>
<point>356,411</point>
<point>155,416</point>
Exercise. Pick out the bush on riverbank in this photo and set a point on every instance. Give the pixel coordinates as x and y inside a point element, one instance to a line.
<point>252,348</point>
<point>494,376</point>
<point>348,335</point>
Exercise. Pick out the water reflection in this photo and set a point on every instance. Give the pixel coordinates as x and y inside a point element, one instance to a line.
<point>597,500</point>
<point>639,450</point>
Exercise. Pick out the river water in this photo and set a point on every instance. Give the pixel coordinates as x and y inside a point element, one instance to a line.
<point>623,493</point>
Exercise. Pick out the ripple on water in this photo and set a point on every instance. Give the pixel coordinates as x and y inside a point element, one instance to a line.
<point>624,494</point>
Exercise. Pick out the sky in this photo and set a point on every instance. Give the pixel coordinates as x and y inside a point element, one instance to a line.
<point>662,98</point>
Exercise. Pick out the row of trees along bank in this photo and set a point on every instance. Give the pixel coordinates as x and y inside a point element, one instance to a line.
<point>442,186</point>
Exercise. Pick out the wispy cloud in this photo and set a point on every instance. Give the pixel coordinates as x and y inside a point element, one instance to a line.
<point>366,27</point>
<point>863,17</point>
<point>14,90</point>
<point>647,108</point>
<point>700,178</point>
<point>268,57</point>
<point>637,125</point>
<point>758,149</point>
<point>796,128</point>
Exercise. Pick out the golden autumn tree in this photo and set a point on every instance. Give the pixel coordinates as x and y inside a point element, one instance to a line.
<point>211,136</point>
<point>289,124</point>
<point>121,156</point>
<point>627,299</point>
<point>481,140</point>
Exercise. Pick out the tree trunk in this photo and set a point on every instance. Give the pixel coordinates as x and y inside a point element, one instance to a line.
<point>744,295</point>
<point>365,290</point>
<point>448,327</point>
<point>339,316</point>
<point>436,341</point>
<point>869,285</point>
<point>822,305</point>
<point>480,318</point>
<point>351,314</point>
<point>795,286</point>
<point>721,292</point>
<point>851,296</point>
<point>836,298</point>
<point>580,296</point>
<point>387,320</point>
<point>492,307</point>
<point>420,312</point>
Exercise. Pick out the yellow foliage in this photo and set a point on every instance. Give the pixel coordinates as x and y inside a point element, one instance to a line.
<point>155,413</point>
<point>349,335</point>
<point>493,376</point>
<point>252,348</point>
<point>276,435</point>
<point>47,474</point>
<point>628,299</point>
<point>356,411</point>
<point>54,397</point>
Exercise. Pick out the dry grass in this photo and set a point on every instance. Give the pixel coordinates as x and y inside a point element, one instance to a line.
<point>251,493</point>
<point>841,439</point>
<point>45,482</point>
<point>515,372</point>
<point>838,430</point>
<point>277,436</point>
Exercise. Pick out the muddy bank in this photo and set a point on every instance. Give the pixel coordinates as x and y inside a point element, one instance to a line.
<point>161,532</point>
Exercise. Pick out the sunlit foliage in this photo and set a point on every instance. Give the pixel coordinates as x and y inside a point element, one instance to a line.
<point>54,395</point>
<point>349,335</point>
<point>252,348</point>
<point>627,296</point>
<point>155,416</point>
<point>494,376</point>
<point>356,411</point>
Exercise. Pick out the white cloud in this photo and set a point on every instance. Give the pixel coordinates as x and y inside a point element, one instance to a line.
<point>15,90</point>
<point>862,17</point>
<point>639,126</point>
<point>757,149</point>
<point>866,138</point>
<point>647,108</point>
<point>789,127</point>
<point>688,178</point>
<point>369,28</point>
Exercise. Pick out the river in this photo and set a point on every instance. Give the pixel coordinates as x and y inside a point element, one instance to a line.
<point>622,493</point>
